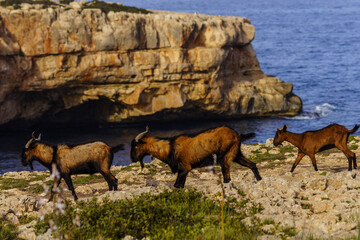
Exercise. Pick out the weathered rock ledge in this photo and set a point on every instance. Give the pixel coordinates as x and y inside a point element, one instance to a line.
<point>320,205</point>
<point>61,65</point>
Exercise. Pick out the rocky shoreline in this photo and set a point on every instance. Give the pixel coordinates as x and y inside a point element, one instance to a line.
<point>318,205</point>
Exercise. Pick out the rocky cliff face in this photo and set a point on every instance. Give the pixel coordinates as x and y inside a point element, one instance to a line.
<point>63,65</point>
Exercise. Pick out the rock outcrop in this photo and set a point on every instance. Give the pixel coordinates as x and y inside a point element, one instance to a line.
<point>63,65</point>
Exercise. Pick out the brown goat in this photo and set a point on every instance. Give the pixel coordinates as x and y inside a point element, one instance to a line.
<point>89,158</point>
<point>184,153</point>
<point>311,142</point>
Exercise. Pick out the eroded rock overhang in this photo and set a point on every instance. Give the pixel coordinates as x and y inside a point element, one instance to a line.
<point>63,65</point>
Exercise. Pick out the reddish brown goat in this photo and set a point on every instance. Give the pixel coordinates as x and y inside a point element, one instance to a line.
<point>184,153</point>
<point>89,158</point>
<point>311,142</point>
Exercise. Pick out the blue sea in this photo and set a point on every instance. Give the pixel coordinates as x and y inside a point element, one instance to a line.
<point>314,44</point>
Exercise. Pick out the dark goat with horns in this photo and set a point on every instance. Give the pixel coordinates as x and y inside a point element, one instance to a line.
<point>184,153</point>
<point>311,142</point>
<point>89,158</point>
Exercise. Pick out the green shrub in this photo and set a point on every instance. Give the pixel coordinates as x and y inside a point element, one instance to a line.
<point>179,214</point>
<point>353,147</point>
<point>65,1</point>
<point>81,180</point>
<point>16,3</point>
<point>8,231</point>
<point>352,138</point>
<point>107,7</point>
<point>9,183</point>
<point>36,189</point>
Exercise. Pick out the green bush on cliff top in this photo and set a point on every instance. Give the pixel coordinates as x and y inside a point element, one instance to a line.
<point>107,7</point>
<point>16,3</point>
<point>104,6</point>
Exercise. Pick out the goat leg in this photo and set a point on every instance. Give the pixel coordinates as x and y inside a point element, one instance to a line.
<point>226,172</point>
<point>181,178</point>
<point>298,158</point>
<point>247,163</point>
<point>115,184</point>
<point>110,179</point>
<point>54,188</point>
<point>313,160</point>
<point>354,161</point>
<point>70,186</point>
<point>350,161</point>
<point>256,173</point>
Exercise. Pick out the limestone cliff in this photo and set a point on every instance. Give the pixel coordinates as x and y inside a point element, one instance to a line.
<point>63,65</point>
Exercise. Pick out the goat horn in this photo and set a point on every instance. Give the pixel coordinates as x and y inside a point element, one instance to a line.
<point>28,143</point>
<point>141,135</point>
<point>38,138</point>
<point>33,139</point>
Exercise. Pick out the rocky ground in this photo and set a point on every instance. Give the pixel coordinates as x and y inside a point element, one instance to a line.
<point>319,205</point>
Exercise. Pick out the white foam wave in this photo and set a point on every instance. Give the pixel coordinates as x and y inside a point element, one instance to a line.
<point>324,109</point>
<point>319,111</point>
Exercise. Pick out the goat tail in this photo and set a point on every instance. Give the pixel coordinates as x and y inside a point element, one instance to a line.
<point>354,129</point>
<point>247,136</point>
<point>117,148</point>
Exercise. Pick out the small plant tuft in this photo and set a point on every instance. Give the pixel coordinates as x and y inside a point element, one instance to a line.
<point>37,189</point>
<point>8,231</point>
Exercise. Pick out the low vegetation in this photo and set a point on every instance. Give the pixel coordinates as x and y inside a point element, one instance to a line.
<point>17,3</point>
<point>32,185</point>
<point>104,6</point>
<point>8,231</point>
<point>270,154</point>
<point>107,7</point>
<point>180,214</point>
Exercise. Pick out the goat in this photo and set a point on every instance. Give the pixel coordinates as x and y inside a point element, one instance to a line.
<point>89,158</point>
<point>311,142</point>
<point>183,153</point>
